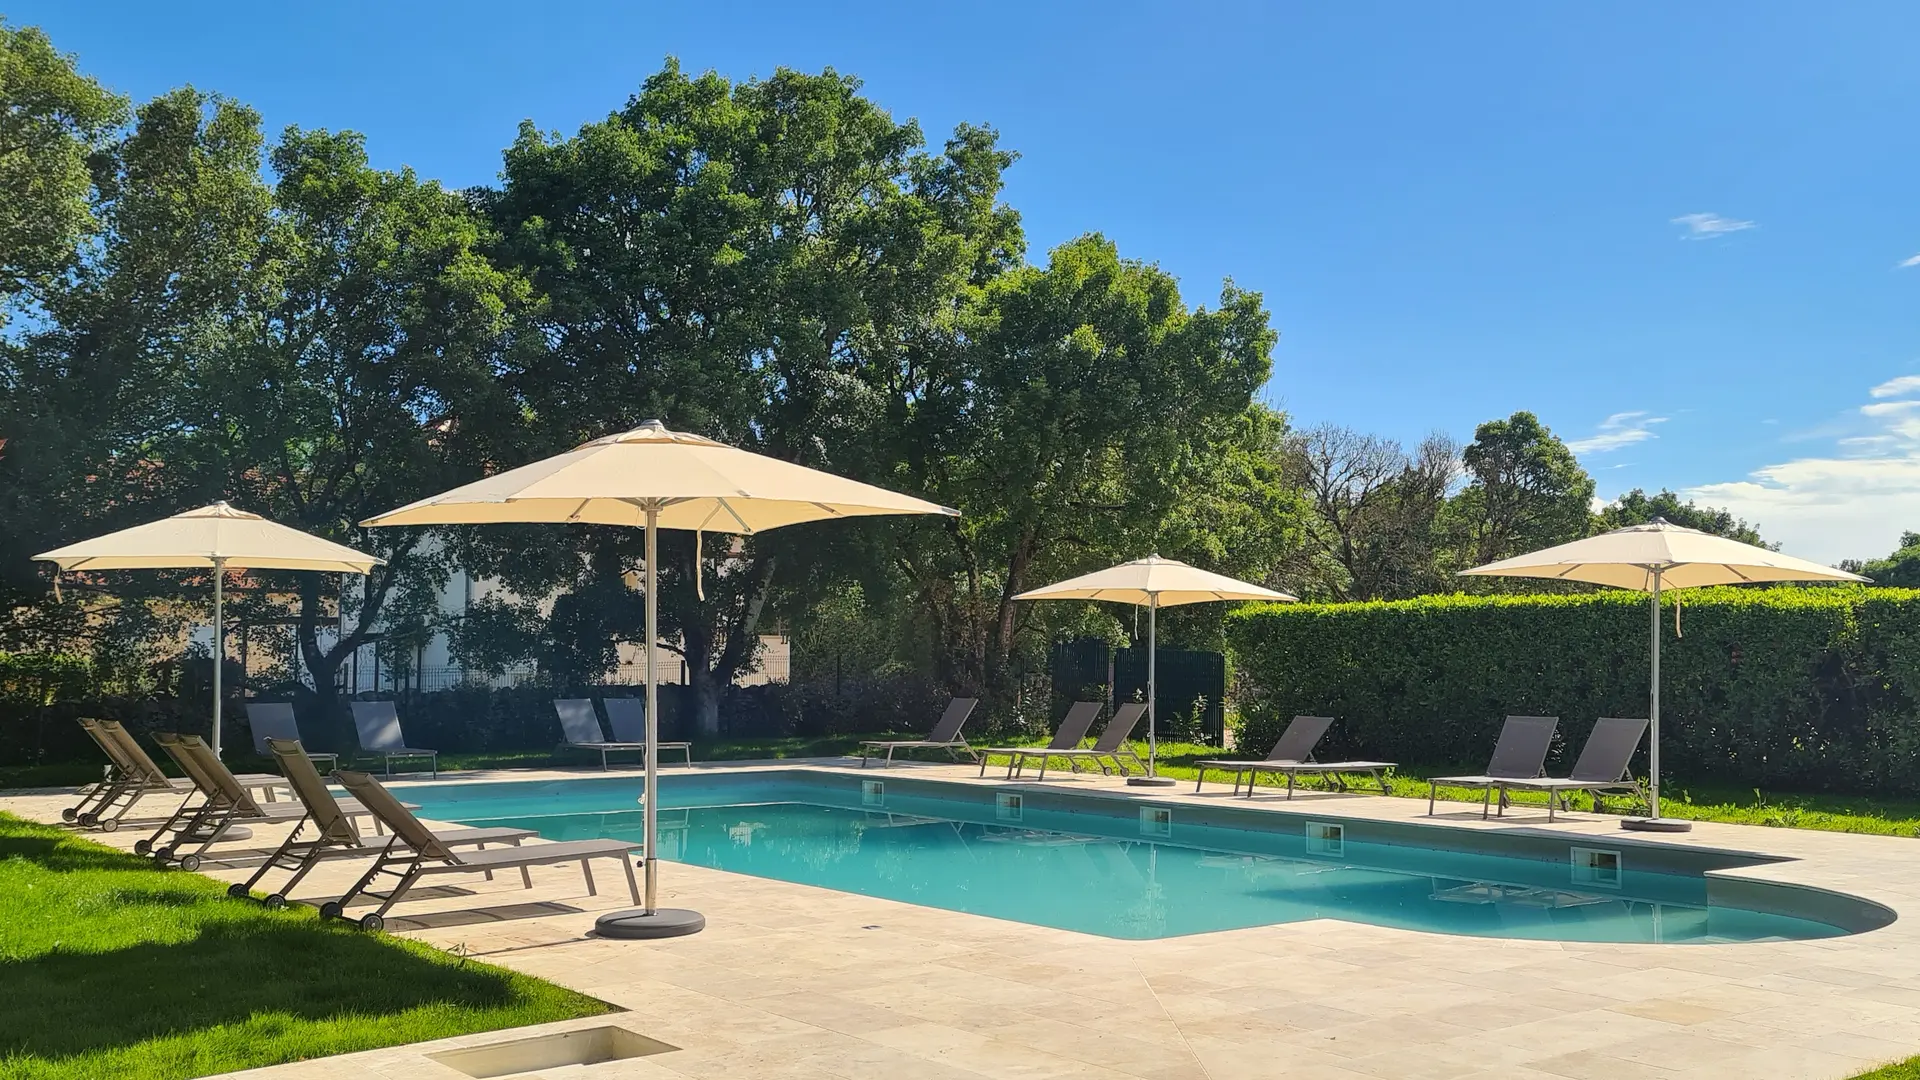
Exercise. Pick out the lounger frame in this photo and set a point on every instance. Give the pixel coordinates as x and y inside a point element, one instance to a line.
<point>944,736</point>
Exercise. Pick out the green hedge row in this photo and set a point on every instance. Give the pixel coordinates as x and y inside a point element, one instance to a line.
<point>1785,688</point>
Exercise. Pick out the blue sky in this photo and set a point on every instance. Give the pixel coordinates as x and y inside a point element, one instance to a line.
<point>1673,231</point>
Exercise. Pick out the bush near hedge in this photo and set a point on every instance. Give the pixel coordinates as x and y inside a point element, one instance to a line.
<point>1792,688</point>
<point>466,719</point>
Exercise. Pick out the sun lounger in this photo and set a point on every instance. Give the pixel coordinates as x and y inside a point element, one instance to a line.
<point>415,852</point>
<point>1111,746</point>
<point>944,736</point>
<point>133,775</point>
<point>220,803</point>
<point>1603,766</point>
<point>274,720</point>
<point>326,832</point>
<point>582,729</point>
<point>1519,754</point>
<point>1068,736</point>
<point>379,728</point>
<point>1292,755</point>
<point>628,716</point>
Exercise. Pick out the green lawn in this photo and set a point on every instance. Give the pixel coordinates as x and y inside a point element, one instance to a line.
<point>111,967</point>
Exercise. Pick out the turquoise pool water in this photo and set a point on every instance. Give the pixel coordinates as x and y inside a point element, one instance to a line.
<point>1117,868</point>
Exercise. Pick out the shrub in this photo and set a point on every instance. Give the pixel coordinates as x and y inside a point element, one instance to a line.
<point>1789,688</point>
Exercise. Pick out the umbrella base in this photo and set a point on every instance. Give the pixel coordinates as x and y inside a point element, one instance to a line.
<point>1150,781</point>
<point>636,923</point>
<point>1657,824</point>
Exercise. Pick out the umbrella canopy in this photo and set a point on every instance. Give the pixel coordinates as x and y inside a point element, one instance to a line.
<point>1681,558</point>
<point>1156,583</point>
<point>217,538</point>
<point>689,481</point>
<point>216,535</point>
<point>1650,558</point>
<point>655,478</point>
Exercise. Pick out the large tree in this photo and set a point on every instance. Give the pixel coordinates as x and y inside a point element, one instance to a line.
<point>56,126</point>
<point>1524,491</point>
<point>1637,507</point>
<point>1069,412</point>
<point>727,258</point>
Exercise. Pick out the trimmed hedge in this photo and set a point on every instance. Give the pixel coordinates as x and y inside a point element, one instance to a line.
<point>1806,689</point>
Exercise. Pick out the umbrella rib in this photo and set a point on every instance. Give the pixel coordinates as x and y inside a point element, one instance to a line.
<point>735,514</point>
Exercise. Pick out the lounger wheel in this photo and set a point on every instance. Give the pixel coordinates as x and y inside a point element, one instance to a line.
<point>189,862</point>
<point>239,891</point>
<point>87,819</point>
<point>143,847</point>
<point>108,825</point>
<point>330,910</point>
<point>69,815</point>
<point>164,854</point>
<point>372,924</point>
<point>275,901</point>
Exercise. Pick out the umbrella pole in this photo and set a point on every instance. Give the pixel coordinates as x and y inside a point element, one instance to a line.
<point>650,920</point>
<point>1153,686</point>
<point>1653,822</point>
<point>1153,777</point>
<point>652,853</point>
<point>1653,712</point>
<point>219,642</point>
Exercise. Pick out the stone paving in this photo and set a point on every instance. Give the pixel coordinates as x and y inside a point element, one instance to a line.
<point>802,983</point>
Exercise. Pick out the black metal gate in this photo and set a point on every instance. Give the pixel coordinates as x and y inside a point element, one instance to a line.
<point>1193,684</point>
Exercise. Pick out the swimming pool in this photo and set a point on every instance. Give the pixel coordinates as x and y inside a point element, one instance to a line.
<point>1127,868</point>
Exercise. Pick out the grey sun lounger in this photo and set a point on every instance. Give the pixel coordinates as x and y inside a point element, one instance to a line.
<point>223,802</point>
<point>1519,754</point>
<point>1603,766</point>
<point>378,726</point>
<point>1111,746</point>
<point>415,852</point>
<point>1068,736</point>
<point>1292,755</point>
<point>133,775</point>
<point>944,736</point>
<point>581,728</point>
<point>333,835</point>
<point>628,718</point>
<point>274,720</point>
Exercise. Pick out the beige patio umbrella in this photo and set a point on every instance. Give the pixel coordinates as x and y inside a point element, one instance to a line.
<point>1651,558</point>
<point>1153,582</point>
<point>219,538</point>
<point>655,478</point>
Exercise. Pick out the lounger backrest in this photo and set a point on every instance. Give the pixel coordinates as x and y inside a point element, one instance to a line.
<point>381,804</point>
<point>1302,735</point>
<point>312,792</point>
<point>1125,719</point>
<point>628,715</point>
<point>134,754</point>
<point>194,755</point>
<point>378,726</point>
<point>1073,730</point>
<point>271,720</point>
<point>1521,751</point>
<point>577,721</point>
<point>108,746</point>
<point>1609,750</point>
<point>948,729</point>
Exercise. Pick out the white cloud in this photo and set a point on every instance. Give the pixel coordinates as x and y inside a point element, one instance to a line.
<point>1897,387</point>
<point>1852,502</point>
<point>1706,226</point>
<point>1907,263</point>
<point>1620,429</point>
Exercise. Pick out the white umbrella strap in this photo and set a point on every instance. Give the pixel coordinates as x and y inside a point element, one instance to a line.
<point>699,581</point>
<point>56,585</point>
<point>1676,618</point>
